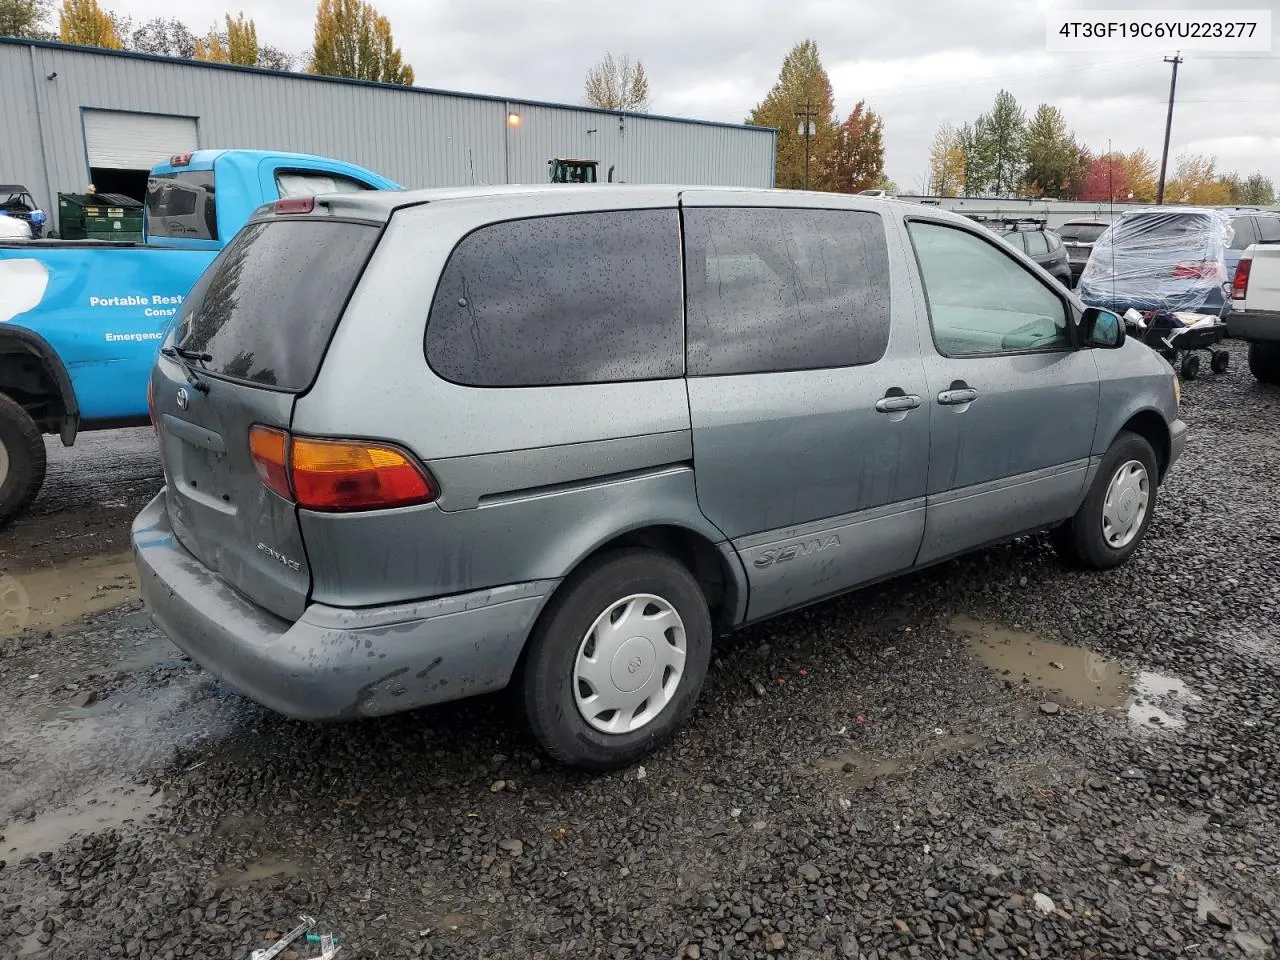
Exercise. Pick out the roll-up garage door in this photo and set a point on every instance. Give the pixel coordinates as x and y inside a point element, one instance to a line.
<point>136,141</point>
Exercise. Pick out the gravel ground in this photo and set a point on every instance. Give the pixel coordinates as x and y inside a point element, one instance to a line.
<point>857,782</point>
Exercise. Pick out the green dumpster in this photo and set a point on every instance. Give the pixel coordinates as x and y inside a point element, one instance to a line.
<point>99,216</point>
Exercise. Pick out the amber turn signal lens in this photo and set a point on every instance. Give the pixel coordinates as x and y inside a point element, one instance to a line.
<point>347,475</point>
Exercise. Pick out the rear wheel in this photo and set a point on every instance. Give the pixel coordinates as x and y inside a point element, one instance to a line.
<point>617,661</point>
<point>22,460</point>
<point>1264,361</point>
<point>1114,517</point>
<point>1191,366</point>
<point>1220,361</point>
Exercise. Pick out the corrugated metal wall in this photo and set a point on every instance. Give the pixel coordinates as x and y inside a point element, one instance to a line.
<point>418,138</point>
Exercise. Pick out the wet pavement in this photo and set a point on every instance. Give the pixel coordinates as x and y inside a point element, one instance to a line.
<point>997,757</point>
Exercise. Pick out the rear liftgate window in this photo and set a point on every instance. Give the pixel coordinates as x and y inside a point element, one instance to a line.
<point>570,299</point>
<point>266,308</point>
<point>772,290</point>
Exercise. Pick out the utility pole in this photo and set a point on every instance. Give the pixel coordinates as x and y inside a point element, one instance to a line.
<point>1168,125</point>
<point>806,129</point>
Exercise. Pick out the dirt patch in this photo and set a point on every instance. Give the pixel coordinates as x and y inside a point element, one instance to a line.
<point>110,805</point>
<point>1077,673</point>
<point>255,872</point>
<point>862,767</point>
<point>44,599</point>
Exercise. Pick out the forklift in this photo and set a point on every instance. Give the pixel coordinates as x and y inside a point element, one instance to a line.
<point>575,171</point>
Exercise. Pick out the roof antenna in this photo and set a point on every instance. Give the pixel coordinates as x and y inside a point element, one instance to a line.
<point>1111,193</point>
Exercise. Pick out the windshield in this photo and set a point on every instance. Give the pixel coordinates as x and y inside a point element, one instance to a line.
<point>1082,232</point>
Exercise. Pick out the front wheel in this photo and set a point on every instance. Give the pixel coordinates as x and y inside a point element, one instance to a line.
<point>1190,366</point>
<point>617,660</point>
<point>22,459</point>
<point>1264,361</point>
<point>1220,361</point>
<point>1116,513</point>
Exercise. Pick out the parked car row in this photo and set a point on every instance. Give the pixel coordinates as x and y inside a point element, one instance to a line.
<point>608,424</point>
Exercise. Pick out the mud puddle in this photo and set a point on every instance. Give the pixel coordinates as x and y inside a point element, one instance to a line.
<point>51,597</point>
<point>1151,700</point>
<point>862,767</point>
<point>110,805</point>
<point>256,872</point>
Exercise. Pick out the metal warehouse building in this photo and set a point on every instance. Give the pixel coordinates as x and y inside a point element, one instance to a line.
<point>71,116</point>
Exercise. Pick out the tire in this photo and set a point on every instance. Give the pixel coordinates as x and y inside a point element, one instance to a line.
<point>565,635</point>
<point>1264,361</point>
<point>1190,366</point>
<point>22,460</point>
<point>1220,361</point>
<point>1081,541</point>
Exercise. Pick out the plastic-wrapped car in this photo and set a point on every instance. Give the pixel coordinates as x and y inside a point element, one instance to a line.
<point>1160,261</point>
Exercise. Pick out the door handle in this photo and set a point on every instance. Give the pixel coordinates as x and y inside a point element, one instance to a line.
<point>954,397</point>
<point>898,403</point>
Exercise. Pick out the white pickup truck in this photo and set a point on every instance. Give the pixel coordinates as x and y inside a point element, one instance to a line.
<point>1255,309</point>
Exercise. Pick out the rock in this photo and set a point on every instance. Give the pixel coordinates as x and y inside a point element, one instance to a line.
<point>1049,707</point>
<point>1216,917</point>
<point>512,846</point>
<point>1043,903</point>
<point>497,786</point>
<point>775,943</point>
<point>83,699</point>
<point>809,872</point>
<point>693,951</point>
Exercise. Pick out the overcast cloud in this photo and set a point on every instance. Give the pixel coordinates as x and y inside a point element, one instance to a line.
<point>915,62</point>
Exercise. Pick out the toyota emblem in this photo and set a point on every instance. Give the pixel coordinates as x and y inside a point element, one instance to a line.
<point>635,664</point>
<point>183,399</point>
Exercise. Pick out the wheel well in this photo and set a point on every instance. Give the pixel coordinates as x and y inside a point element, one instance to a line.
<point>29,378</point>
<point>698,555</point>
<point>1151,427</point>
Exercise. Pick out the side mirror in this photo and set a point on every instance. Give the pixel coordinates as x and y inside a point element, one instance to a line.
<point>1102,328</point>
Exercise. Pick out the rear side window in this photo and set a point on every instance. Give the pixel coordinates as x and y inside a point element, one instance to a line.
<point>182,205</point>
<point>773,289</point>
<point>570,299</point>
<point>1051,238</point>
<point>1037,246</point>
<point>308,183</point>
<point>1269,229</point>
<point>1242,233</point>
<point>266,307</point>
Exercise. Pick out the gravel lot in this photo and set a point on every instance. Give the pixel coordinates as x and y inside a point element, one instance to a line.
<point>863,779</point>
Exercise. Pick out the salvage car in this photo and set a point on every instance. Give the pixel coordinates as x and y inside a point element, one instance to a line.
<point>424,445</point>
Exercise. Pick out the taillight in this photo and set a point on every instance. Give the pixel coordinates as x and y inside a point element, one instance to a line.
<point>269,448</point>
<point>180,160</point>
<point>295,205</point>
<point>337,474</point>
<point>1198,270</point>
<point>347,475</point>
<point>1240,282</point>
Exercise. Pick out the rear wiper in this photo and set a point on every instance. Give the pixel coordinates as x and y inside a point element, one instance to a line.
<point>185,359</point>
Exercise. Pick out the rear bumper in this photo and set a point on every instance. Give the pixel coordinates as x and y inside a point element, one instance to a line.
<point>1254,325</point>
<point>333,663</point>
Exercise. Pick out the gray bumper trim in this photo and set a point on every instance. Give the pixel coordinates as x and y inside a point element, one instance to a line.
<point>1177,442</point>
<point>333,663</point>
<point>1254,325</point>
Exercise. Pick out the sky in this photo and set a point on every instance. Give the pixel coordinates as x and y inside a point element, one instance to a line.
<point>917,63</point>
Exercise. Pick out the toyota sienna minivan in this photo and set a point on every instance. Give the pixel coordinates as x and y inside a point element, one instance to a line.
<point>423,445</point>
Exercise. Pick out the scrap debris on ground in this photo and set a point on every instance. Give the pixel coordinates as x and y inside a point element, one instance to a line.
<point>997,757</point>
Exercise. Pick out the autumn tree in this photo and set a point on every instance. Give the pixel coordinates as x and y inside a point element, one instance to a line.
<point>353,40</point>
<point>1258,191</point>
<point>1195,181</point>
<point>618,84</point>
<point>1079,173</point>
<point>85,23</point>
<point>237,44</point>
<point>803,88</point>
<point>1106,180</point>
<point>858,160</point>
<point>25,18</point>
<point>946,163</point>
<point>166,37</point>
<point>1140,175</point>
<point>1000,147</point>
<point>1052,153</point>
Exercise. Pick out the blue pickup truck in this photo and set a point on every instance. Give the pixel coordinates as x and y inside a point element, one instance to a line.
<point>80,321</point>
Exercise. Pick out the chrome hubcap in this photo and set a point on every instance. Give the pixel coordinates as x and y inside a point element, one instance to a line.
<point>1125,506</point>
<point>629,664</point>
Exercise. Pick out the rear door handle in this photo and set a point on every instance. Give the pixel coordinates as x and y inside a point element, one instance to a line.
<point>953,397</point>
<point>898,403</point>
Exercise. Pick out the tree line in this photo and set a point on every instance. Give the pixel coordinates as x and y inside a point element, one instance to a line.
<point>351,39</point>
<point>1002,153</point>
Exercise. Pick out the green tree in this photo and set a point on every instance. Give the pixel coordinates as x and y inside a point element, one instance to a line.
<point>858,160</point>
<point>166,37</point>
<point>85,23</point>
<point>974,174</point>
<point>946,163</point>
<point>1052,153</point>
<point>1000,144</point>
<point>237,44</point>
<point>802,87</point>
<point>353,40</point>
<point>618,84</point>
<point>25,18</point>
<point>1258,191</point>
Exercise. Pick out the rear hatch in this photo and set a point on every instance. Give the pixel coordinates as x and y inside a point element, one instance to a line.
<point>1079,239</point>
<point>252,335</point>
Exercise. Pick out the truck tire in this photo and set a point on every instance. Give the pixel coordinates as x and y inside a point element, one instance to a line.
<point>22,461</point>
<point>1264,361</point>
